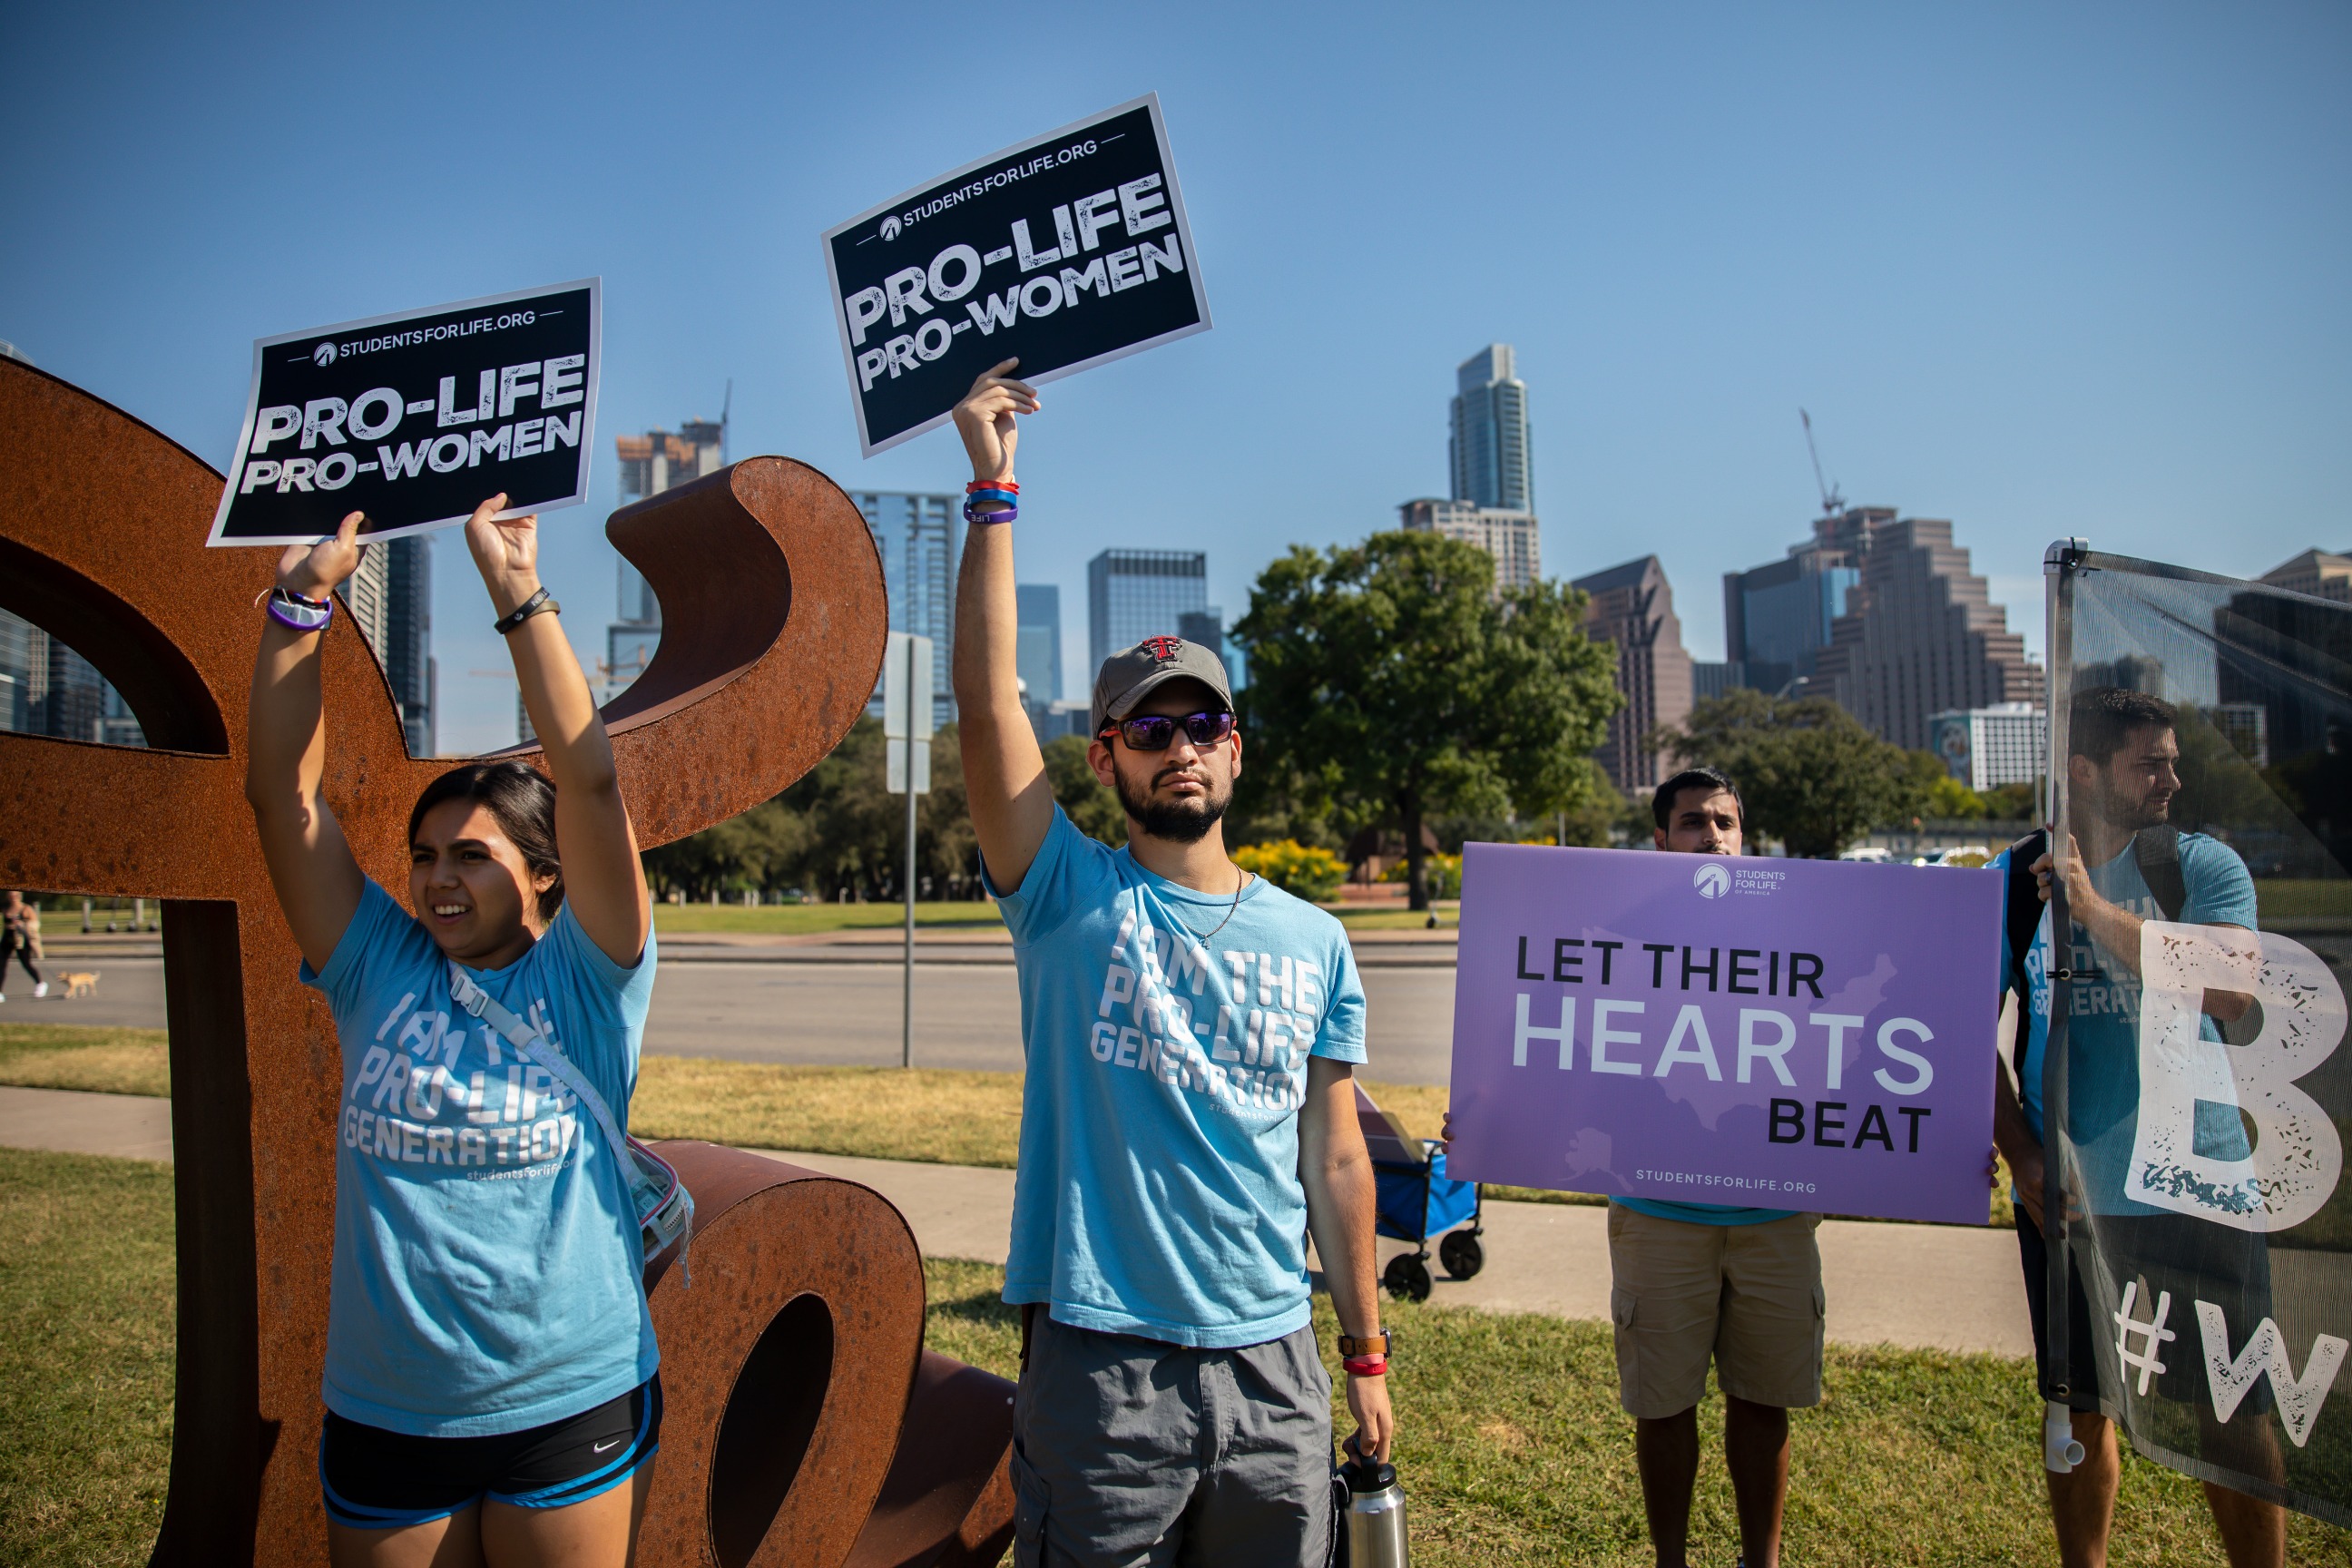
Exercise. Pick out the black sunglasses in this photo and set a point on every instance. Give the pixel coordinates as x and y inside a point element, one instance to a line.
<point>1157,731</point>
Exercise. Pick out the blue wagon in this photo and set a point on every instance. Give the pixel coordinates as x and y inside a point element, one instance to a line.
<point>1416,1201</point>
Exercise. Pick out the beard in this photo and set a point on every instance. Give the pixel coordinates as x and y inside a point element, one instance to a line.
<point>2131,813</point>
<point>1186,820</point>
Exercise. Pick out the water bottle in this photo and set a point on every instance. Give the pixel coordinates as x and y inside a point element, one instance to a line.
<point>1375,1519</point>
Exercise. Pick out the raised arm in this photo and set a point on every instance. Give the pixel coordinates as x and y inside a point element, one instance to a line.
<point>1003,773</point>
<point>603,880</point>
<point>311,865</point>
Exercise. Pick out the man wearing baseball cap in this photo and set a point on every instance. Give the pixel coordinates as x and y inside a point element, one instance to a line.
<point>1188,1115</point>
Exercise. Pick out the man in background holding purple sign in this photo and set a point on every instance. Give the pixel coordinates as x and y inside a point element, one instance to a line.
<point>1691,1281</point>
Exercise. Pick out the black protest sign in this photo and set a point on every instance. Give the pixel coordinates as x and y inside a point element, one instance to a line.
<point>1066,251</point>
<point>416,418</point>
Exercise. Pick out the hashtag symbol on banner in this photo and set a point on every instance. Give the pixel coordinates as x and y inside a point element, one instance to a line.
<point>2153,1333</point>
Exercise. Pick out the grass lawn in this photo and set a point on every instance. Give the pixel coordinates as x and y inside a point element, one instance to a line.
<point>86,1357</point>
<point>1511,1448</point>
<point>2283,898</point>
<point>76,1056</point>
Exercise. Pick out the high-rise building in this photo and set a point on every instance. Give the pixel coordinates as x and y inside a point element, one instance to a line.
<point>1510,537</point>
<point>390,600</point>
<point>1207,629</point>
<point>1491,462</point>
<point>24,648</point>
<point>1777,617</point>
<point>1137,594</point>
<point>2318,573</point>
<point>1711,678</point>
<point>650,464</point>
<point>47,689</point>
<point>1985,748</point>
<point>1632,606</point>
<point>917,536</point>
<point>1919,635</point>
<point>1037,646</point>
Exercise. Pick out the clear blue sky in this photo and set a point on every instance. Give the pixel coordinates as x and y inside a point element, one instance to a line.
<point>2042,270</point>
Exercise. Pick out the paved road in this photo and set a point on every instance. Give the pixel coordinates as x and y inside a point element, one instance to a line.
<point>966,1014</point>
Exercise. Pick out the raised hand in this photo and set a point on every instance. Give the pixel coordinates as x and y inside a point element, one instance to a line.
<point>984,420</point>
<point>506,551</point>
<point>314,571</point>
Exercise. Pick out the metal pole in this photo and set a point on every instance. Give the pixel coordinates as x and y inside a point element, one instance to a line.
<point>906,1033</point>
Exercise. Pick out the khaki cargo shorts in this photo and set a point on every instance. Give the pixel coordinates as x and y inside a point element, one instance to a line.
<point>1749,1296</point>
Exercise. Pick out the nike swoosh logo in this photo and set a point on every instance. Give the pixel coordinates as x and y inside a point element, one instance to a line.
<point>600,1447</point>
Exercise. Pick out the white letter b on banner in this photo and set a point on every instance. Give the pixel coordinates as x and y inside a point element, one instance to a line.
<point>2297,1156</point>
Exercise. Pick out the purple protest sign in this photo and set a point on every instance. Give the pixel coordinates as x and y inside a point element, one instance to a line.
<point>1810,1035</point>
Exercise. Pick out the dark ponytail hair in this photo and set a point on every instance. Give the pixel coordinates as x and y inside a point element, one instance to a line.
<point>522,800</point>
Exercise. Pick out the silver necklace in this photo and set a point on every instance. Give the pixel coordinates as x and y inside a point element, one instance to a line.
<point>1241,881</point>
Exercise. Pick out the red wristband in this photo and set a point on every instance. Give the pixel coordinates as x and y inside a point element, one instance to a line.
<point>1366,1365</point>
<point>991,485</point>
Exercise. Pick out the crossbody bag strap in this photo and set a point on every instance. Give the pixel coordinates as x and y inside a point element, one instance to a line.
<point>473,999</point>
<point>2157,851</point>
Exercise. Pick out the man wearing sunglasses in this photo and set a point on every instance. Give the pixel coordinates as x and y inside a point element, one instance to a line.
<point>1188,1115</point>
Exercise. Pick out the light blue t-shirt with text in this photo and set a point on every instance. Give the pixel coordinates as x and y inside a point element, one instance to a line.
<point>2102,1016</point>
<point>1167,1034</point>
<point>487,1272</point>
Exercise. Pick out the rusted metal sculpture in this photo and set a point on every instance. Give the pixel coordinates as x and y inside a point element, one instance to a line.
<point>795,1362</point>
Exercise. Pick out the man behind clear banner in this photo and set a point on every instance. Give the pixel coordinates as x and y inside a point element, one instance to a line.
<point>1188,1114</point>
<point>2130,865</point>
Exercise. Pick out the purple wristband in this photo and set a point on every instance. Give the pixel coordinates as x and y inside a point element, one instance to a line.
<point>972,515</point>
<point>300,615</point>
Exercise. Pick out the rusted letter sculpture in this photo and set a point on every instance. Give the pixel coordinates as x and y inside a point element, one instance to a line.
<point>806,1424</point>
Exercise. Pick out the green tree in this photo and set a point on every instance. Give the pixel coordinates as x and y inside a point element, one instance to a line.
<point>1941,795</point>
<point>1388,679</point>
<point>1092,806</point>
<point>837,829</point>
<point>1810,775</point>
<point>2013,803</point>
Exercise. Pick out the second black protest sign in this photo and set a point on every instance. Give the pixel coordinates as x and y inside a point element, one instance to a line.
<point>1064,252</point>
<point>415,418</point>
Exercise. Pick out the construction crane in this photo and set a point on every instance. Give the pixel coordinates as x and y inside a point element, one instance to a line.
<point>1833,503</point>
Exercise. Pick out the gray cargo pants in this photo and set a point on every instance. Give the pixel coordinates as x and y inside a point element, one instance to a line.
<point>1134,1453</point>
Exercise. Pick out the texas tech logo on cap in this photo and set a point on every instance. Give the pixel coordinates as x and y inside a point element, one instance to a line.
<point>1164,649</point>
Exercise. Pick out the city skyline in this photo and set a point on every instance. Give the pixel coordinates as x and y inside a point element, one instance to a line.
<point>2090,289</point>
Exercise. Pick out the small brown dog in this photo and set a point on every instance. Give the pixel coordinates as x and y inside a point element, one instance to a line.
<point>80,982</point>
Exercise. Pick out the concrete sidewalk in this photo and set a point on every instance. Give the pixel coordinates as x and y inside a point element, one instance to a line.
<point>1917,1286</point>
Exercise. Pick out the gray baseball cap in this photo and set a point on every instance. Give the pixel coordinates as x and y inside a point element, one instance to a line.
<point>1127,677</point>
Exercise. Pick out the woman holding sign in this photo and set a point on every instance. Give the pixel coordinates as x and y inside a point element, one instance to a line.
<point>491,1368</point>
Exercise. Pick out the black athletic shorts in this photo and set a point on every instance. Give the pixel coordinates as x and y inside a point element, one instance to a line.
<point>375,1479</point>
<point>2189,1260</point>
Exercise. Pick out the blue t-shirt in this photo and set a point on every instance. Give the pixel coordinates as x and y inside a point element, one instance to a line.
<point>2103,1018</point>
<point>1703,1214</point>
<point>488,1269</point>
<point>1158,1192</point>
